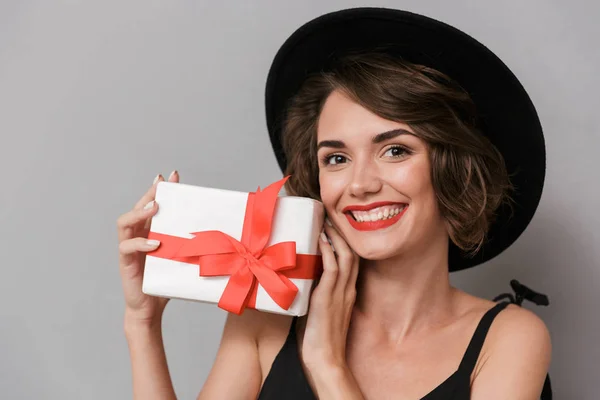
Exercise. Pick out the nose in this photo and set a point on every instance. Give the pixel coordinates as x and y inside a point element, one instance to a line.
<point>365,180</point>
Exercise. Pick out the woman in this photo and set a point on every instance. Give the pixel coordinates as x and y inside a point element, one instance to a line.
<point>414,187</point>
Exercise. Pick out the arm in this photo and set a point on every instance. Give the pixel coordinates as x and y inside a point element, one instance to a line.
<point>143,313</point>
<point>516,363</point>
<point>151,379</point>
<point>236,372</point>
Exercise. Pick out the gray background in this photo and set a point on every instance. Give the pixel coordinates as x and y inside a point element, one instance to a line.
<point>96,98</point>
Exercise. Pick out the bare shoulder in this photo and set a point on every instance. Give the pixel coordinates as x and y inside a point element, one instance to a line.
<point>512,326</point>
<point>248,347</point>
<point>515,357</point>
<point>265,332</point>
<point>520,329</point>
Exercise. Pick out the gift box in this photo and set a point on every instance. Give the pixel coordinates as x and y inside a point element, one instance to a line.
<point>240,250</point>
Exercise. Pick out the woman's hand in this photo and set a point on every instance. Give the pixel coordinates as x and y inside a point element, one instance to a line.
<point>331,305</point>
<point>133,228</point>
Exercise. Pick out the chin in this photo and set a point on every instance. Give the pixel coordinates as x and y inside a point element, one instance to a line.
<point>377,250</point>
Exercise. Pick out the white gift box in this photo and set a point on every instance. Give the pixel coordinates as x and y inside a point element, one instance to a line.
<point>185,208</point>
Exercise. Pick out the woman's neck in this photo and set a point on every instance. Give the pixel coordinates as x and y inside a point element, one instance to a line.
<point>406,294</point>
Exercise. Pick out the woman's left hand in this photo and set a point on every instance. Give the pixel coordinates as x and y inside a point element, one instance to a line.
<point>331,305</point>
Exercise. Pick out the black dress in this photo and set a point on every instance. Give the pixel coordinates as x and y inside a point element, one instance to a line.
<point>286,379</point>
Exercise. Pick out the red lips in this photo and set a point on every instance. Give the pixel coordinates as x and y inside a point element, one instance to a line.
<point>373,225</point>
<point>368,207</point>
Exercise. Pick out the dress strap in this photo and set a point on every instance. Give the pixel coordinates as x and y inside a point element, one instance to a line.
<point>292,332</point>
<point>472,354</point>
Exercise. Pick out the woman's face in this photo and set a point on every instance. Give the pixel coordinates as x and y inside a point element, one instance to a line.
<point>375,181</point>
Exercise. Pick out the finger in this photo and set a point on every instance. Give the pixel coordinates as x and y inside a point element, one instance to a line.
<point>174,177</point>
<point>150,194</point>
<point>350,290</point>
<point>137,245</point>
<point>345,256</point>
<point>330,268</point>
<point>128,221</point>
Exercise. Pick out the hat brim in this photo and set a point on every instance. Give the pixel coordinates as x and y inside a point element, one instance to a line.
<point>507,115</point>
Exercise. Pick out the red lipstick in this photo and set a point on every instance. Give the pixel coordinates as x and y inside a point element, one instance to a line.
<point>372,225</point>
<point>367,207</point>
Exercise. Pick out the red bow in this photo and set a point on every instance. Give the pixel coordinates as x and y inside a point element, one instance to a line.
<point>248,260</point>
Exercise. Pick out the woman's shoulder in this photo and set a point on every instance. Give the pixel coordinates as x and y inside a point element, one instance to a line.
<point>267,331</point>
<point>513,325</point>
<point>248,346</point>
<point>516,349</point>
<point>519,329</point>
<point>517,339</point>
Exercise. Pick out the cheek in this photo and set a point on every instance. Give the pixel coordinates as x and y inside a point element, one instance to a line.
<point>424,187</point>
<point>332,188</point>
<point>415,182</point>
<point>412,179</point>
<point>425,197</point>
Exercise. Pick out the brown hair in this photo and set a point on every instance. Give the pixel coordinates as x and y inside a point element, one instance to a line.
<point>468,173</point>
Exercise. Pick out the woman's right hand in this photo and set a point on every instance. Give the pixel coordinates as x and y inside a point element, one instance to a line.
<point>133,228</point>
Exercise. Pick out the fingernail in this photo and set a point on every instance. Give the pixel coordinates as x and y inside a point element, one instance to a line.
<point>149,205</point>
<point>172,173</point>
<point>328,222</point>
<point>156,179</point>
<point>324,237</point>
<point>152,242</point>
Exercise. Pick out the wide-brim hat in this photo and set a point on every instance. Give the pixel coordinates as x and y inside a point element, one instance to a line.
<point>507,115</point>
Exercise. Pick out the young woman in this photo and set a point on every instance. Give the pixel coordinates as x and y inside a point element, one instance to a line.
<point>428,158</point>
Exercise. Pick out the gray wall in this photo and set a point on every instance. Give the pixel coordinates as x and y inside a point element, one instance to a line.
<point>96,98</point>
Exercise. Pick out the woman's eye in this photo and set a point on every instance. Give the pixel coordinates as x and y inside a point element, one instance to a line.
<point>396,152</point>
<point>334,159</point>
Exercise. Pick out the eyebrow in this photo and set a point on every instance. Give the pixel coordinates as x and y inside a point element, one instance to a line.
<point>380,137</point>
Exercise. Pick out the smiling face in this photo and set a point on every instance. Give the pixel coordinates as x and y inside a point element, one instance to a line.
<point>375,180</point>
<point>397,135</point>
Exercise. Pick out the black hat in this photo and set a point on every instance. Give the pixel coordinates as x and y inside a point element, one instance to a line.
<point>507,115</point>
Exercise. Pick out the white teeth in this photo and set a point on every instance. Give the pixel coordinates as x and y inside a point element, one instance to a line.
<point>379,213</point>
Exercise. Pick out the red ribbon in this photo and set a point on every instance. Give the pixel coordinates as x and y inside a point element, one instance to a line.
<point>248,261</point>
